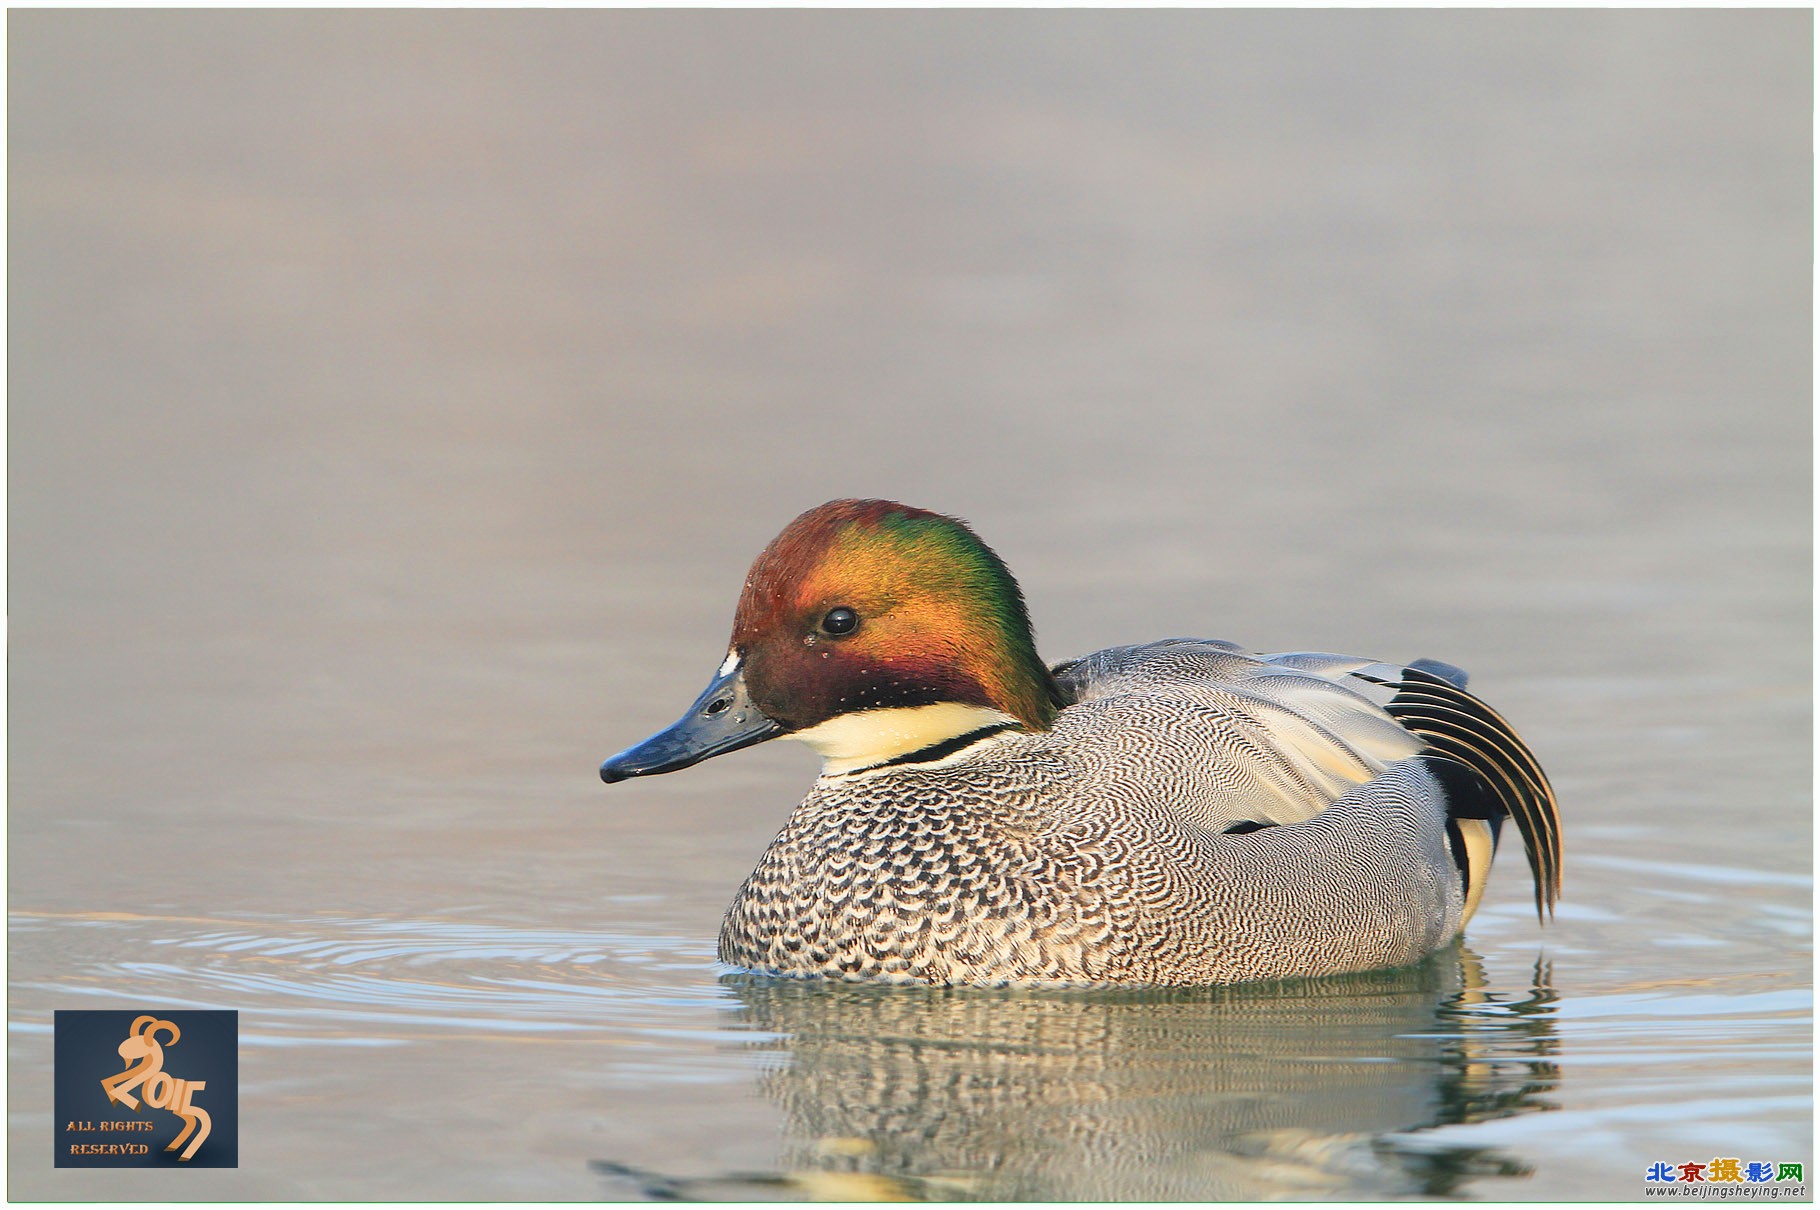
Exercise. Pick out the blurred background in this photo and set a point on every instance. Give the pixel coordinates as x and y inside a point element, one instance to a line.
<point>396,400</point>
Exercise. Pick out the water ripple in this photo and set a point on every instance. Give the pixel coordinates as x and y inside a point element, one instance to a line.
<point>292,977</point>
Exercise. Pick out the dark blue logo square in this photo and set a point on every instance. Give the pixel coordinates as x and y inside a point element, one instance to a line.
<point>147,1089</point>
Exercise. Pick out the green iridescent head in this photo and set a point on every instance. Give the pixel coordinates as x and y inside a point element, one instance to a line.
<point>864,604</point>
<point>872,631</point>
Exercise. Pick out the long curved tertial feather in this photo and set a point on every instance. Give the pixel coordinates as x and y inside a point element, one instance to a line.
<point>1458,725</point>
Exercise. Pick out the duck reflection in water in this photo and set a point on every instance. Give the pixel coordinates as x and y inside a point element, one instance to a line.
<point>1315,1088</point>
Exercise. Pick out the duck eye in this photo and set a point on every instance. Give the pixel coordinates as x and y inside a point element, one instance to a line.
<point>840,620</point>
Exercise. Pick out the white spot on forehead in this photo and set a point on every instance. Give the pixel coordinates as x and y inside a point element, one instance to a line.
<point>730,663</point>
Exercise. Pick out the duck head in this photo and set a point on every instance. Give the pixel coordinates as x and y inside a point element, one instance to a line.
<point>868,630</point>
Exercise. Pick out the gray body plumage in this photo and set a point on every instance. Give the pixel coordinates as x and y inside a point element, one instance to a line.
<point>1104,849</point>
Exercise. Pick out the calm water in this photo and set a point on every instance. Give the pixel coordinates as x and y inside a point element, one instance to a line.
<point>396,401</point>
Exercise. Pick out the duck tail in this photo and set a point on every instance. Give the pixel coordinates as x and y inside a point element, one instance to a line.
<point>1488,773</point>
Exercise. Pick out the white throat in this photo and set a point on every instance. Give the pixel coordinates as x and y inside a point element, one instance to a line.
<point>871,737</point>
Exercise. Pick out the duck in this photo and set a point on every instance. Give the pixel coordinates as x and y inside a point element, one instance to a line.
<point>1174,813</point>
